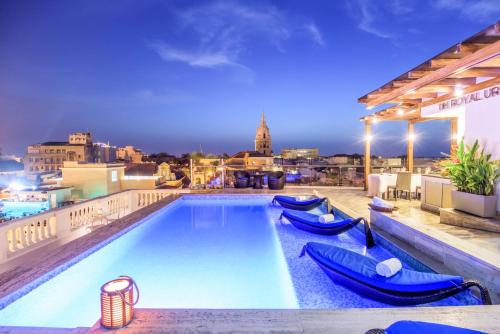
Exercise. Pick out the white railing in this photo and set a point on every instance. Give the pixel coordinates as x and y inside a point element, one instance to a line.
<point>28,233</point>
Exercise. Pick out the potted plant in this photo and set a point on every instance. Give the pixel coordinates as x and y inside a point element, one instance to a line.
<point>474,175</point>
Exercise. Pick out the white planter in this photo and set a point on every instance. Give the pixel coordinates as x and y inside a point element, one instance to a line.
<point>482,206</point>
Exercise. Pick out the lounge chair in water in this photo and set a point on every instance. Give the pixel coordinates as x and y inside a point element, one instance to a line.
<point>293,203</point>
<point>311,223</point>
<point>407,287</point>
<point>419,327</point>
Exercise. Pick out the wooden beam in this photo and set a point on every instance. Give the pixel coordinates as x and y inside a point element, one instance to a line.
<point>417,74</point>
<point>367,160</point>
<point>442,62</point>
<point>477,72</point>
<point>409,147</point>
<point>456,81</point>
<point>469,61</point>
<point>466,90</point>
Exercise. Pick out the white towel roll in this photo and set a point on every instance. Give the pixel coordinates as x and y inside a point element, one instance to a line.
<point>326,218</point>
<point>389,267</point>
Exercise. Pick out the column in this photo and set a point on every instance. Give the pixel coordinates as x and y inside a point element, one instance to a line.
<point>367,160</point>
<point>409,147</point>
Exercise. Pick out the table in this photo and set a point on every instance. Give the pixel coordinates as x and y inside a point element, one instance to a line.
<point>378,183</point>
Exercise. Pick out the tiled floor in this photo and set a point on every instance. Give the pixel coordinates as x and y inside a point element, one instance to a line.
<point>357,202</point>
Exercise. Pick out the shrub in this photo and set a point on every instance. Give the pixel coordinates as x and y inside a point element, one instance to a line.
<point>472,171</point>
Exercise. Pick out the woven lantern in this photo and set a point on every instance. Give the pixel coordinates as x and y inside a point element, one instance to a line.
<point>117,302</point>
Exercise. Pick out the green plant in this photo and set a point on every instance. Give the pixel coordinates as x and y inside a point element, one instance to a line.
<point>472,171</point>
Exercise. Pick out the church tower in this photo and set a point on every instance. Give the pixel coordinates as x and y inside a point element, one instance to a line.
<point>263,138</point>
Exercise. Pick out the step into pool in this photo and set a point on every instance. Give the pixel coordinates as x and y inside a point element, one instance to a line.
<point>203,252</point>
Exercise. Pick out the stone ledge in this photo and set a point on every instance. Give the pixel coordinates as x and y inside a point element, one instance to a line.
<point>338,321</point>
<point>462,219</point>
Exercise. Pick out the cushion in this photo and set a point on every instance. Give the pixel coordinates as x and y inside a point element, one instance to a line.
<point>418,327</point>
<point>313,220</point>
<point>362,268</point>
<point>293,200</point>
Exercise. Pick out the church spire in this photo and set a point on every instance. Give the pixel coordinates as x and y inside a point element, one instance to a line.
<point>263,137</point>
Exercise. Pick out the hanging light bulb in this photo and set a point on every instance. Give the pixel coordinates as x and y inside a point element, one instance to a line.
<point>459,91</point>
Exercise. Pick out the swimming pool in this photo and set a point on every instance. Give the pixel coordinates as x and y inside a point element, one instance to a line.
<point>15,209</point>
<point>201,252</point>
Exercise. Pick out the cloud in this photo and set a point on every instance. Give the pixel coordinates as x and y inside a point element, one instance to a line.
<point>202,58</point>
<point>486,11</point>
<point>316,35</point>
<point>217,34</point>
<point>366,12</point>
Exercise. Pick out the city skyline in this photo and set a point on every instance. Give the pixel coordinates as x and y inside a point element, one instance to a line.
<point>169,76</point>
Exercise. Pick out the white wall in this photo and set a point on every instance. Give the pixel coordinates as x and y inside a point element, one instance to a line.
<point>482,122</point>
<point>478,119</point>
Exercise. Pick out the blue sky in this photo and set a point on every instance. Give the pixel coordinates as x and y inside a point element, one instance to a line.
<point>171,75</point>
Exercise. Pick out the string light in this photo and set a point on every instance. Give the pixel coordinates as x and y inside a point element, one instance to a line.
<point>368,138</point>
<point>400,112</point>
<point>411,137</point>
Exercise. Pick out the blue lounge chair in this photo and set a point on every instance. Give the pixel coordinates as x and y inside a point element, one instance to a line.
<point>294,204</point>
<point>418,327</point>
<point>408,287</point>
<point>310,222</point>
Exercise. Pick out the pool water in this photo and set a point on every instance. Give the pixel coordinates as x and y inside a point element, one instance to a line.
<point>204,252</point>
<point>194,254</point>
<point>12,209</point>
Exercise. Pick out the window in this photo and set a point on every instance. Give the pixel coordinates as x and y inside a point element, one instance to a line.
<point>114,176</point>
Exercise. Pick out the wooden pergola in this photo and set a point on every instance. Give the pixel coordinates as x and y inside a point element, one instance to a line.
<point>468,66</point>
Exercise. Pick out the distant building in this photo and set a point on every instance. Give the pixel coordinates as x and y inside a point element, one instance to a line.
<point>345,159</point>
<point>80,138</point>
<point>263,143</point>
<point>129,154</point>
<point>90,180</point>
<point>300,153</point>
<point>250,160</point>
<point>104,152</point>
<point>50,156</point>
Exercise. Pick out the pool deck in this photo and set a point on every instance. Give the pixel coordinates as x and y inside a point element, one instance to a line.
<point>352,201</point>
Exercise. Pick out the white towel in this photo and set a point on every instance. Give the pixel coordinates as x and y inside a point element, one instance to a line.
<point>389,267</point>
<point>326,218</point>
<point>381,203</point>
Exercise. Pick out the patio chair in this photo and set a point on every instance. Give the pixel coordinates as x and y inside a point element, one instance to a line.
<point>403,184</point>
<point>276,180</point>
<point>242,179</point>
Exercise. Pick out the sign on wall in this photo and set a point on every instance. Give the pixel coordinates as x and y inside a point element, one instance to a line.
<point>470,98</point>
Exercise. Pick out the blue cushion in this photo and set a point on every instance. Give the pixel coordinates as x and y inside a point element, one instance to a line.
<point>362,268</point>
<point>418,327</point>
<point>293,200</point>
<point>313,220</point>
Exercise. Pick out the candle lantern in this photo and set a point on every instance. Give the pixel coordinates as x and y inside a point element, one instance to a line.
<point>117,302</point>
